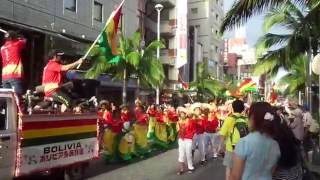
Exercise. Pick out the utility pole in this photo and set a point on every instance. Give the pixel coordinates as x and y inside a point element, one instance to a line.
<point>159,8</point>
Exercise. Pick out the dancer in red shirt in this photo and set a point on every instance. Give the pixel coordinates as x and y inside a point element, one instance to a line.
<point>211,129</point>
<point>186,132</point>
<point>125,114</point>
<point>199,139</point>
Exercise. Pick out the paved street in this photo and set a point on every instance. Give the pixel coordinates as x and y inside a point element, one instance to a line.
<point>160,167</point>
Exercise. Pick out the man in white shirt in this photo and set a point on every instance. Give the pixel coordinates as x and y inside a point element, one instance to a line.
<point>296,123</point>
<point>311,131</point>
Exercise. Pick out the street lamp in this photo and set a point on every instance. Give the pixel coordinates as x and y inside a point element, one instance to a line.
<point>315,65</point>
<point>159,8</point>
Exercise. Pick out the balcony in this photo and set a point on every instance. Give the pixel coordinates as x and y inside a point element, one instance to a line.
<point>166,3</point>
<point>168,28</point>
<point>168,56</point>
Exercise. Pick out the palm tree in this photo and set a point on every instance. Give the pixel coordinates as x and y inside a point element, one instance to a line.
<point>131,61</point>
<point>204,85</point>
<point>242,10</point>
<point>295,80</point>
<point>148,69</point>
<point>287,50</point>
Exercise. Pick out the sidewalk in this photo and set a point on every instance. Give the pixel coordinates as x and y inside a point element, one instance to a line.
<point>161,167</point>
<point>314,168</point>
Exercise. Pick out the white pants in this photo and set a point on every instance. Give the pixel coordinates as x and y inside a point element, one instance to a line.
<point>185,152</point>
<point>212,142</point>
<point>199,140</point>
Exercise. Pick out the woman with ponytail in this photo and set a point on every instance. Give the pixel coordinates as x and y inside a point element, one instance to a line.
<point>256,155</point>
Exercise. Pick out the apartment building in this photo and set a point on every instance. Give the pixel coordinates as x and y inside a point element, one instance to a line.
<point>173,31</point>
<point>204,20</point>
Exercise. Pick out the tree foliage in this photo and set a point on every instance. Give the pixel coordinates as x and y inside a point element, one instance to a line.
<point>206,86</point>
<point>133,61</point>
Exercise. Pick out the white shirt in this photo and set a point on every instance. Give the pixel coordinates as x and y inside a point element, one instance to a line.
<point>310,123</point>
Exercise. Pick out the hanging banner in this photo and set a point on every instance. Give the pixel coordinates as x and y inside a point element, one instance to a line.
<point>182,33</point>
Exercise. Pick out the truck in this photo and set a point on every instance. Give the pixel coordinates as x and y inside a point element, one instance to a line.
<point>62,144</point>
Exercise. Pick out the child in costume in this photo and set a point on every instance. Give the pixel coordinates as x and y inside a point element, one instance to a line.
<point>102,107</point>
<point>140,129</point>
<point>125,114</point>
<point>199,139</point>
<point>171,119</point>
<point>186,131</point>
<point>152,113</point>
<point>111,134</point>
<point>211,129</point>
<point>157,131</point>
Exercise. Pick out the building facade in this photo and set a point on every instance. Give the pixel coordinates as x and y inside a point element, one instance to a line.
<point>68,25</point>
<point>205,18</point>
<point>239,57</point>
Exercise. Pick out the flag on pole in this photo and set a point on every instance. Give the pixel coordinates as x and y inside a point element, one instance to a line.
<point>248,86</point>
<point>107,39</point>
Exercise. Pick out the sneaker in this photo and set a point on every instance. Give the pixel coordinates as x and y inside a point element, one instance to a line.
<point>190,171</point>
<point>215,155</point>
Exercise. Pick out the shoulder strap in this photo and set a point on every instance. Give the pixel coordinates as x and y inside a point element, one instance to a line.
<point>234,126</point>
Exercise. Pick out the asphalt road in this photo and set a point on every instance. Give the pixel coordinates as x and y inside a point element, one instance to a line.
<point>162,166</point>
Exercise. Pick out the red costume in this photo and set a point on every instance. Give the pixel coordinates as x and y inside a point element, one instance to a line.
<point>141,117</point>
<point>11,59</point>
<point>116,126</point>
<point>212,124</point>
<point>200,125</point>
<point>173,116</point>
<point>125,116</point>
<point>160,117</point>
<point>152,112</point>
<point>187,129</point>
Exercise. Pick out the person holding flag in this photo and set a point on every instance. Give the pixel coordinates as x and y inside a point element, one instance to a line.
<point>52,79</point>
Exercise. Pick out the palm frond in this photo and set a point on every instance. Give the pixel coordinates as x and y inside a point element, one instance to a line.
<point>99,67</point>
<point>286,15</point>
<point>242,10</point>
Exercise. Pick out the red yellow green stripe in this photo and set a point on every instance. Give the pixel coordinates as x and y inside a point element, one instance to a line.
<point>50,132</point>
<point>55,124</point>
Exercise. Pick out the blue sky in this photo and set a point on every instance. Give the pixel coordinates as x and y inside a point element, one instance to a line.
<point>253,26</point>
<point>254,31</point>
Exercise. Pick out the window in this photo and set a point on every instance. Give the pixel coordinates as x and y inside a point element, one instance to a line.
<point>3,114</point>
<point>97,11</point>
<point>217,32</point>
<point>70,5</point>
<point>217,17</point>
<point>217,49</point>
<point>194,10</point>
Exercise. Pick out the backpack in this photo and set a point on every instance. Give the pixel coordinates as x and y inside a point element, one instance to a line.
<point>241,125</point>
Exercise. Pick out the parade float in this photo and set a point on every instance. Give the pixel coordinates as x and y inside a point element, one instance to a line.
<point>60,144</point>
